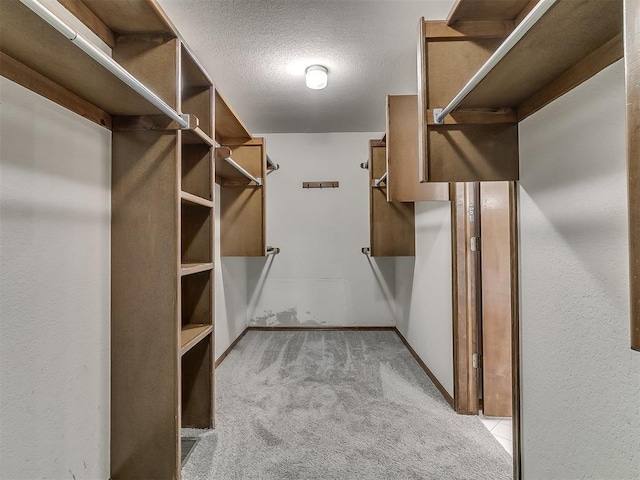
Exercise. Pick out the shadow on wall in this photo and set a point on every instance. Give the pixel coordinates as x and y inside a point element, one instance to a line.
<point>383,269</point>
<point>257,274</point>
<point>311,301</point>
<point>405,274</point>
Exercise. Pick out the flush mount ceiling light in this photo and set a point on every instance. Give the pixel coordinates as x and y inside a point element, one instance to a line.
<point>316,77</point>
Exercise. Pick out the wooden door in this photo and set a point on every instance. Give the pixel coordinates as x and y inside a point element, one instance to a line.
<point>497,215</point>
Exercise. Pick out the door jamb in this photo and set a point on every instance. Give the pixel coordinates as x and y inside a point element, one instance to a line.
<point>465,314</point>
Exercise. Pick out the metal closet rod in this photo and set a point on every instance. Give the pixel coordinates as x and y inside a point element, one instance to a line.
<point>239,167</point>
<point>105,61</point>
<point>273,250</point>
<point>270,162</point>
<point>439,114</point>
<point>225,153</point>
<point>383,178</point>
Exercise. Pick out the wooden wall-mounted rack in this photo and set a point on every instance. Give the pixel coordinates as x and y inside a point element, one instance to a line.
<point>514,57</point>
<point>494,63</point>
<point>392,224</point>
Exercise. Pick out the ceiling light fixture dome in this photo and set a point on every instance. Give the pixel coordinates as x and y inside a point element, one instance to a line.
<point>316,77</point>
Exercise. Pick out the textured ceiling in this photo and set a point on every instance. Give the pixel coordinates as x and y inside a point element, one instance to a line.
<point>256,51</point>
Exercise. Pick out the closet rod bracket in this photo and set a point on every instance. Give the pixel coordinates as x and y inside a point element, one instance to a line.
<point>438,118</point>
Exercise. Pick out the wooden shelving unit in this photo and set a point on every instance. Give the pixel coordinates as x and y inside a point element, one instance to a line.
<point>33,43</point>
<point>402,154</point>
<point>569,33</point>
<point>572,41</point>
<point>478,142</point>
<point>162,235</point>
<point>391,224</point>
<point>242,200</point>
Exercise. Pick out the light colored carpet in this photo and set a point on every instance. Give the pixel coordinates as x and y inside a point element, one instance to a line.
<point>336,405</point>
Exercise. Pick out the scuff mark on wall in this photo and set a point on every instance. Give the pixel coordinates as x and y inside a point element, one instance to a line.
<point>284,317</point>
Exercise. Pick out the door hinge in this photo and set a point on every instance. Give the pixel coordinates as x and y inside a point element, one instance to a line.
<point>476,360</point>
<point>475,244</point>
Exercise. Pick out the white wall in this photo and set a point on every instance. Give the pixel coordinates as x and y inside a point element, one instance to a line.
<point>230,292</point>
<point>423,291</point>
<point>580,380</point>
<point>320,277</point>
<point>55,174</point>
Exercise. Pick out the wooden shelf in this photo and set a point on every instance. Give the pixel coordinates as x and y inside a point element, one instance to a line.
<point>229,128</point>
<point>193,268</point>
<point>195,200</point>
<point>197,137</point>
<point>191,334</point>
<point>485,10</point>
<point>570,32</point>
<point>130,17</point>
<point>25,37</point>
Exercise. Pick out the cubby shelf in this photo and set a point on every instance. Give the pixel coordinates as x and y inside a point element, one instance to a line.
<point>191,334</point>
<point>193,268</point>
<point>195,200</point>
<point>196,137</point>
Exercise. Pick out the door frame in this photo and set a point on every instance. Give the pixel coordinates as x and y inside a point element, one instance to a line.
<point>466,297</point>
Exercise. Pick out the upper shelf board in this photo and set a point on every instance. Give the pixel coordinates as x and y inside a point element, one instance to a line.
<point>228,124</point>
<point>130,16</point>
<point>568,33</point>
<point>30,40</point>
<point>485,10</point>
